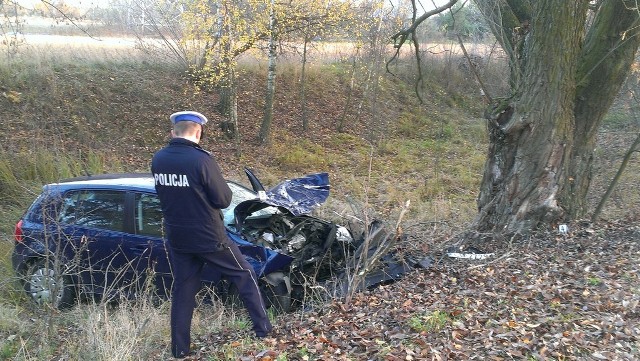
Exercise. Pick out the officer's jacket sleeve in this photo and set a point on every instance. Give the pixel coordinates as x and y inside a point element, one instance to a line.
<point>216,187</point>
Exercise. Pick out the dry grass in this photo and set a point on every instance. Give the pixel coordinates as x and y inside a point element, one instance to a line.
<point>120,334</point>
<point>96,331</point>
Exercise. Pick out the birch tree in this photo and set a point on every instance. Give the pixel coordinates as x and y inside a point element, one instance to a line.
<point>299,21</point>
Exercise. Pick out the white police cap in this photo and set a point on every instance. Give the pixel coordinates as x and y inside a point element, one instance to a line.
<point>188,115</point>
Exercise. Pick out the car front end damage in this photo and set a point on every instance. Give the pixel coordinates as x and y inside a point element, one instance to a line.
<point>321,254</point>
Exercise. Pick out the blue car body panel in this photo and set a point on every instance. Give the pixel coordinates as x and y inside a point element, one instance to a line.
<point>300,195</point>
<point>262,259</point>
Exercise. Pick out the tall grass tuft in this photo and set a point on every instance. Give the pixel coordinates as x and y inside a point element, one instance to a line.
<point>8,182</point>
<point>126,332</point>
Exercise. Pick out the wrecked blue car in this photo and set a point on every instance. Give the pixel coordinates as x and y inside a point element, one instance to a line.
<point>100,237</point>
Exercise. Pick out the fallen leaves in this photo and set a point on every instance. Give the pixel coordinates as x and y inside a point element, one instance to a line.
<point>538,304</point>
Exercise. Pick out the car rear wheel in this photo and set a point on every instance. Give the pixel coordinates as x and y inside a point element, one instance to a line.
<point>46,285</point>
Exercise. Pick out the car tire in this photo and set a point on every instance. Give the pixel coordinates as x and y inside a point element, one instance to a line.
<point>47,286</point>
<point>278,296</point>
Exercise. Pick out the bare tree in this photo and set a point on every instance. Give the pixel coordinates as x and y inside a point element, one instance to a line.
<point>271,76</point>
<point>298,20</point>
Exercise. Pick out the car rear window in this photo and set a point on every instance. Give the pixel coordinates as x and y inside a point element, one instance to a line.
<point>35,213</point>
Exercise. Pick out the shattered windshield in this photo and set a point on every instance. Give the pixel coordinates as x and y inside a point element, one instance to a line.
<point>241,194</point>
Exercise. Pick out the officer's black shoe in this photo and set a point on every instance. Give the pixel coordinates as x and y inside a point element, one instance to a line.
<point>267,333</point>
<point>182,355</point>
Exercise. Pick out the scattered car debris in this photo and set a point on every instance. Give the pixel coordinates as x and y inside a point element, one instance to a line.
<point>472,253</point>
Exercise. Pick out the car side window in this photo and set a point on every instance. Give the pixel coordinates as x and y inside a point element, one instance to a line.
<point>148,215</point>
<point>102,209</point>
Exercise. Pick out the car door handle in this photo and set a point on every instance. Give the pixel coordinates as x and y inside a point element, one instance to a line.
<point>139,250</point>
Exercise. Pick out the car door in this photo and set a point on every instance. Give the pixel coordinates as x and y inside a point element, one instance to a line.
<point>106,258</point>
<point>149,245</point>
<point>152,247</point>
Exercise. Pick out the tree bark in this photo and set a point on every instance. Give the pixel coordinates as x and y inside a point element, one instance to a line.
<point>228,104</point>
<point>531,133</point>
<point>607,55</point>
<point>233,110</point>
<point>303,86</point>
<point>352,79</point>
<point>542,137</point>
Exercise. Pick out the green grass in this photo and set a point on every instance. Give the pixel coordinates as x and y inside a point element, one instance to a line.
<point>299,155</point>
<point>593,281</point>
<point>617,119</point>
<point>432,322</point>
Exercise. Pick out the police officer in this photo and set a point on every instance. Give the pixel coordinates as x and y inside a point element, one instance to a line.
<point>192,191</point>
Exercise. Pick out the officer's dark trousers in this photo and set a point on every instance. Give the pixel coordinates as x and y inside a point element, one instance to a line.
<point>187,268</point>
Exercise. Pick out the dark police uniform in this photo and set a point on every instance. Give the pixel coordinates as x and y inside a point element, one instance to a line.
<point>192,191</point>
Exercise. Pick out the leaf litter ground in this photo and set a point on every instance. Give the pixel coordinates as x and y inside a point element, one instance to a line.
<point>551,296</point>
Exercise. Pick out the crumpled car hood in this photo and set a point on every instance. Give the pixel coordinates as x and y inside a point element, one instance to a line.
<point>298,196</point>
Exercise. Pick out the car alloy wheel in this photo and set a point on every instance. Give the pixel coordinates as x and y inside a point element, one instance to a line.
<point>45,286</point>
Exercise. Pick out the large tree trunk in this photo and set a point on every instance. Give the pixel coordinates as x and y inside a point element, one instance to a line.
<point>531,138</point>
<point>228,102</point>
<point>233,109</point>
<point>542,138</point>
<point>567,61</point>
<point>607,54</point>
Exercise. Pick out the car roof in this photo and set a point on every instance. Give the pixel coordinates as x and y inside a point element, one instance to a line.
<point>130,181</point>
<point>133,181</point>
